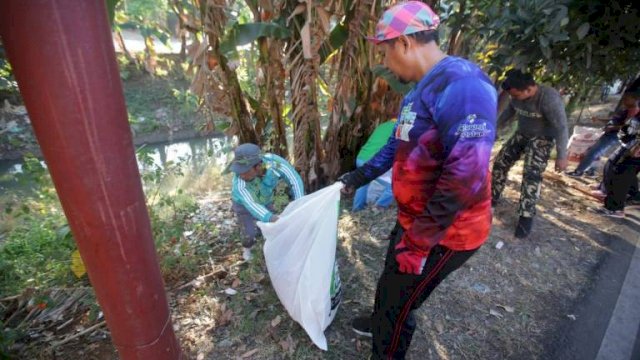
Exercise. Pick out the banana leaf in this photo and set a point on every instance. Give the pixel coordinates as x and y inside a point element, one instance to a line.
<point>242,34</point>
<point>337,38</point>
<point>394,82</point>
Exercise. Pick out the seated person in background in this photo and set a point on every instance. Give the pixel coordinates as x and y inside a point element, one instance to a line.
<point>629,109</point>
<point>255,178</point>
<point>621,171</point>
<point>375,142</point>
<point>625,138</point>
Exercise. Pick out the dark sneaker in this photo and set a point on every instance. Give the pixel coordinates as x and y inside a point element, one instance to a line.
<point>591,173</point>
<point>633,200</point>
<point>618,214</point>
<point>524,227</point>
<point>362,326</point>
<point>574,173</point>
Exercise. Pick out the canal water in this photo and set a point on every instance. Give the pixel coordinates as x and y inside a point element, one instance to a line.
<point>199,153</point>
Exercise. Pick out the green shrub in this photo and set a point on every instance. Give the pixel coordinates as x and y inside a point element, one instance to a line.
<point>37,254</point>
<point>7,338</point>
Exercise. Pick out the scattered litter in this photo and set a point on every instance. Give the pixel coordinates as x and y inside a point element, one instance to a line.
<point>499,245</point>
<point>275,322</point>
<point>481,288</point>
<point>506,308</point>
<point>496,313</point>
<point>572,317</point>
<point>15,110</point>
<point>249,353</point>
<point>230,291</point>
<point>225,343</point>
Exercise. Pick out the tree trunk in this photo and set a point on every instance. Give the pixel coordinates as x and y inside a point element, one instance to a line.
<point>123,47</point>
<point>456,40</point>
<point>273,89</point>
<point>353,117</point>
<point>303,61</point>
<point>433,4</point>
<point>150,56</point>
<point>307,149</point>
<point>214,21</point>
<point>270,80</point>
<point>337,141</point>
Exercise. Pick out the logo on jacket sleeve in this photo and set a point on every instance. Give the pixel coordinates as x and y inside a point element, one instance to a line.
<point>472,128</point>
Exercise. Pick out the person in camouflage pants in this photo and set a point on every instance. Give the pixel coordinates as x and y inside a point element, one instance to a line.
<point>536,155</point>
<point>541,121</point>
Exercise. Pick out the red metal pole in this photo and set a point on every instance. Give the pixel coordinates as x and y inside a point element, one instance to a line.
<point>62,55</point>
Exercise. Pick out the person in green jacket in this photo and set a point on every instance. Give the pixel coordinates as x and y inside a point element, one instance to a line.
<point>375,142</point>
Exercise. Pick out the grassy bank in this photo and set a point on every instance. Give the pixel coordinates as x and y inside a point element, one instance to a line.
<point>158,105</point>
<point>37,247</point>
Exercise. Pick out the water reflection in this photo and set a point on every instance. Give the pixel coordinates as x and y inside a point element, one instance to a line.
<point>10,167</point>
<point>8,176</point>
<point>199,154</point>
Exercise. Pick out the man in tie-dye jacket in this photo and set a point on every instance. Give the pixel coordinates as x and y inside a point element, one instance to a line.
<point>439,151</point>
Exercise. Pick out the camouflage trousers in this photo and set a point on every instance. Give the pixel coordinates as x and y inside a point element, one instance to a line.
<point>536,155</point>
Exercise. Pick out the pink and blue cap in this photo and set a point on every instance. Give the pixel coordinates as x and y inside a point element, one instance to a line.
<point>404,19</point>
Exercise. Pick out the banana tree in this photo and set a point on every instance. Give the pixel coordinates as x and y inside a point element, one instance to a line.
<point>188,21</point>
<point>258,119</point>
<point>216,78</point>
<point>295,39</point>
<point>303,60</point>
<point>271,76</point>
<point>350,119</point>
<point>149,18</point>
<point>365,92</point>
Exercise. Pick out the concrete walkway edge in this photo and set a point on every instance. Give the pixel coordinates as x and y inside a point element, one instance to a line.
<point>622,331</point>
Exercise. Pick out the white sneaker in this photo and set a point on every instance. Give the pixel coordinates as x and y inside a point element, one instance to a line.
<point>246,254</point>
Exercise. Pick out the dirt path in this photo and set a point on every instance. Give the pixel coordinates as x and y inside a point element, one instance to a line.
<point>507,302</point>
<point>504,303</point>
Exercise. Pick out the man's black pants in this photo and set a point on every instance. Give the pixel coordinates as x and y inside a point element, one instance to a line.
<point>619,181</point>
<point>398,294</point>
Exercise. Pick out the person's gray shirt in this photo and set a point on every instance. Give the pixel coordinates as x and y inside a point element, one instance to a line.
<point>541,115</point>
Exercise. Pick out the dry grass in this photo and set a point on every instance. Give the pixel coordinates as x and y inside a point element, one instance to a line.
<point>504,303</point>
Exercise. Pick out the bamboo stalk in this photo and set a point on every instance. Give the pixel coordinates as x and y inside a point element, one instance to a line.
<point>199,278</point>
<point>10,298</point>
<point>85,331</point>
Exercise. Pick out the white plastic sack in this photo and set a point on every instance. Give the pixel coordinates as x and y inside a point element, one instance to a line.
<point>582,139</point>
<point>300,252</point>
